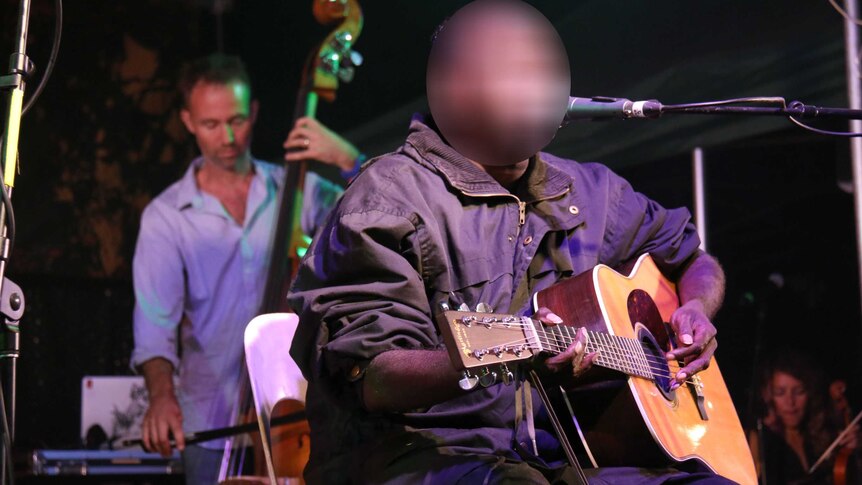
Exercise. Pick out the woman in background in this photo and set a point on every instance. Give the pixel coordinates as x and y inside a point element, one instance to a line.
<point>796,424</point>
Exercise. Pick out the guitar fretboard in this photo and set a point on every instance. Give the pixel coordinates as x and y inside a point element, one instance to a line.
<point>622,354</point>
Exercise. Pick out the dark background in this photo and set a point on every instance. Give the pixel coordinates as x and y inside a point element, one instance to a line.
<point>105,138</point>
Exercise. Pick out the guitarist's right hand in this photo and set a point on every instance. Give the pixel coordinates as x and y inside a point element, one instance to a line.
<point>575,355</point>
<point>163,417</point>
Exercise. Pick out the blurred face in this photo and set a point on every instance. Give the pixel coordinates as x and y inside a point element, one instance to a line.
<point>789,398</point>
<point>221,117</point>
<point>498,81</point>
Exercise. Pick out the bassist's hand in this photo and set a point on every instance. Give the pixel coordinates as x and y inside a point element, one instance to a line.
<point>311,140</point>
<point>695,339</point>
<point>163,417</point>
<point>576,353</point>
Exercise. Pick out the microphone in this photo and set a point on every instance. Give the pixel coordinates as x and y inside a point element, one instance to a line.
<point>602,107</point>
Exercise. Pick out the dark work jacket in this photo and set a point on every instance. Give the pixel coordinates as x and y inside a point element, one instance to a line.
<point>423,225</point>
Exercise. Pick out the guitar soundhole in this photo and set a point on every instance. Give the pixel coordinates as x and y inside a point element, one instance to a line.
<point>652,332</point>
<point>657,361</point>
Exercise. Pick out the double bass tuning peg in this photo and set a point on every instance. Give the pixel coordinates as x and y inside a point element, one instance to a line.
<point>355,58</point>
<point>346,74</point>
<point>344,40</point>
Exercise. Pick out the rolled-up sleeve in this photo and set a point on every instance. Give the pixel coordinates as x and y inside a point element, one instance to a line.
<point>638,225</point>
<point>158,279</point>
<point>359,293</point>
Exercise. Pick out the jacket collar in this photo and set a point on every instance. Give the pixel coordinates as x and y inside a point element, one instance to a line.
<point>542,181</point>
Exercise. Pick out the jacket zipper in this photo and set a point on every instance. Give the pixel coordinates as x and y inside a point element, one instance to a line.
<point>522,206</point>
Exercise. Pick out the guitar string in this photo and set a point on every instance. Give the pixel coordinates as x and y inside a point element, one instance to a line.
<point>656,367</point>
<point>612,349</point>
<point>644,354</point>
<point>614,364</point>
<point>656,372</point>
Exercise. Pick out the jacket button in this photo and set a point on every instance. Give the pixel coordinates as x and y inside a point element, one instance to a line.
<point>574,209</point>
<point>528,240</point>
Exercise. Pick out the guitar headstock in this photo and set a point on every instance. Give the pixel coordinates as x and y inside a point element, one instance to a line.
<point>335,60</point>
<point>477,340</point>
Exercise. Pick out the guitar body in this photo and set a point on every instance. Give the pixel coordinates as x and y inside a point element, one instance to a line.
<point>629,421</point>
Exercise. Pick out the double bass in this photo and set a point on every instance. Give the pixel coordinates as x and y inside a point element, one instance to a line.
<point>330,62</point>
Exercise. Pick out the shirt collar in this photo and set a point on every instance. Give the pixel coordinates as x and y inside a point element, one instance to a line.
<point>190,195</point>
<point>542,180</point>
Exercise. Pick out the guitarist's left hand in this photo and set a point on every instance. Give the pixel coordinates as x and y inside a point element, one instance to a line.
<point>576,354</point>
<point>695,339</point>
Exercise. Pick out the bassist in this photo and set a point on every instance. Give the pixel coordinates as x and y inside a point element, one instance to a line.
<point>201,258</point>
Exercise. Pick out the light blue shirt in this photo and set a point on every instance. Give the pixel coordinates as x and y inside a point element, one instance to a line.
<point>196,268</point>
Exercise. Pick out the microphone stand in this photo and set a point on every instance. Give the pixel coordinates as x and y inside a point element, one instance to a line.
<point>602,107</point>
<point>11,296</point>
<point>795,109</point>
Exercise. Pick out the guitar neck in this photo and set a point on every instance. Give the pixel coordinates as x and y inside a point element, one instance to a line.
<point>621,354</point>
<point>481,339</point>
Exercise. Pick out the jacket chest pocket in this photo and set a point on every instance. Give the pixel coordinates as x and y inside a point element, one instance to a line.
<point>480,280</point>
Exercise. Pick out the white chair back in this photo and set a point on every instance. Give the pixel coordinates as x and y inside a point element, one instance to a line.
<point>273,374</point>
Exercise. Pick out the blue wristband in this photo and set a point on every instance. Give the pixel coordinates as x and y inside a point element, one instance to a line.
<point>349,174</point>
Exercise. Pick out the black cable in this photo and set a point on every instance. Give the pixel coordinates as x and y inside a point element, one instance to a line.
<point>10,212</point>
<point>8,466</point>
<point>49,69</point>
<point>10,218</point>
<point>705,104</point>
<point>765,100</point>
<point>52,60</point>
<point>7,439</point>
<point>846,134</point>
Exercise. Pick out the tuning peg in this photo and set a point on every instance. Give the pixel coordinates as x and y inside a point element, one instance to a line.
<point>346,74</point>
<point>507,375</point>
<point>330,62</point>
<point>487,378</point>
<point>443,306</point>
<point>468,381</point>
<point>484,308</point>
<point>463,308</point>
<point>343,40</point>
<point>351,58</point>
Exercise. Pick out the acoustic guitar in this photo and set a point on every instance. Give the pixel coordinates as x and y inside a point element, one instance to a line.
<point>623,411</point>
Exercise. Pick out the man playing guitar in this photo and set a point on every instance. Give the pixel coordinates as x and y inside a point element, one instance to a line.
<point>452,217</point>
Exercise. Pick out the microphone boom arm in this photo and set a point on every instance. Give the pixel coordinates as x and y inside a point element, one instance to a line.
<point>602,107</point>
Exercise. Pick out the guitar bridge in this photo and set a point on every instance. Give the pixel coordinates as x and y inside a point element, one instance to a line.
<point>696,386</point>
